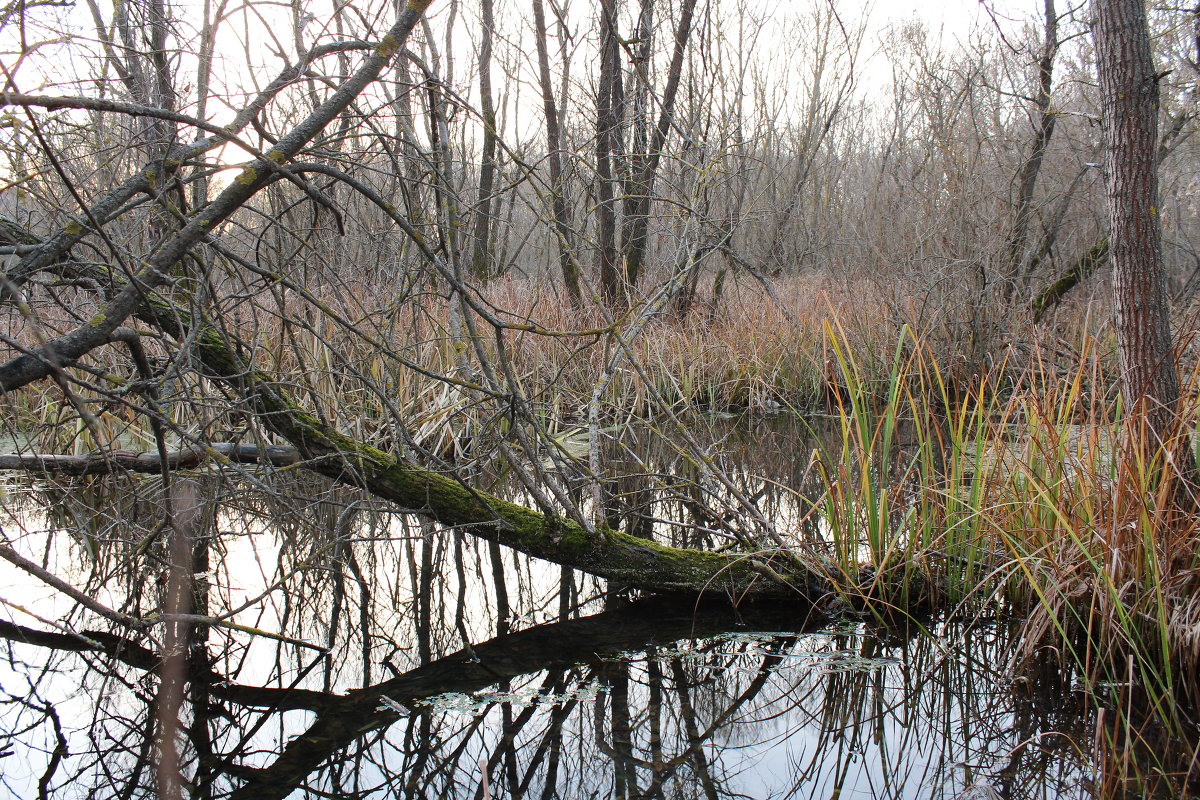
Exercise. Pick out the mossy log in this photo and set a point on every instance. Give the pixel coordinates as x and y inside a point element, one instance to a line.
<point>1081,270</point>
<point>609,554</point>
<point>628,560</point>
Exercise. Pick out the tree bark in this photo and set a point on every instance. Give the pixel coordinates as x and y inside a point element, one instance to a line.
<point>1129,97</point>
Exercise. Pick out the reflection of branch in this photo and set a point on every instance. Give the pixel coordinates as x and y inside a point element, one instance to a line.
<point>697,738</point>
<point>695,742</point>
<point>544,647</point>
<point>512,727</point>
<point>50,579</point>
<point>135,623</point>
<point>550,747</point>
<point>140,657</point>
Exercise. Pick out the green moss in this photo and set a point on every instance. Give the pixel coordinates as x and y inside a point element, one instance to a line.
<point>389,45</point>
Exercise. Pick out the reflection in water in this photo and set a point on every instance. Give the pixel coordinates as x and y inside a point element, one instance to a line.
<point>638,702</point>
<point>373,658</point>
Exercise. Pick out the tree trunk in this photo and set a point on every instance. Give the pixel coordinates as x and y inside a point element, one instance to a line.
<point>558,186</point>
<point>1027,181</point>
<point>609,106</point>
<point>1129,97</point>
<point>482,252</point>
<point>644,165</point>
<point>1096,255</point>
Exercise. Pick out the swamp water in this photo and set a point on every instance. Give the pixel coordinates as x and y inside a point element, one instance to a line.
<point>404,660</point>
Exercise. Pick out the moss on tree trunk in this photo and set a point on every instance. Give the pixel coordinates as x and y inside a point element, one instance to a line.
<point>633,562</point>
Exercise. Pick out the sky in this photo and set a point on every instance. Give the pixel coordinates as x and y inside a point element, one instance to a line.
<point>256,31</point>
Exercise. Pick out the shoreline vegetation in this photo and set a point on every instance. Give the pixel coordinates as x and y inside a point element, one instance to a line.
<point>965,489</point>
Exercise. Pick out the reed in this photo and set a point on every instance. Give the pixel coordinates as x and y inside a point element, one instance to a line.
<point>1026,491</point>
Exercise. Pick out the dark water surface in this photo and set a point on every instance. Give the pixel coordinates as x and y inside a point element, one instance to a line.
<point>406,660</point>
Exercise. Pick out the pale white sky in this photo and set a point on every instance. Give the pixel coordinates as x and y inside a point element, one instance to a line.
<point>254,33</point>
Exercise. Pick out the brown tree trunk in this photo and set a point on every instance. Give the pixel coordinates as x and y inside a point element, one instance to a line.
<point>1018,272</point>
<point>644,163</point>
<point>1129,97</point>
<point>482,253</point>
<point>609,116</point>
<point>558,186</point>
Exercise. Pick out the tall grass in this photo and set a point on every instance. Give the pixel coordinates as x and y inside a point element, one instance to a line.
<point>1030,490</point>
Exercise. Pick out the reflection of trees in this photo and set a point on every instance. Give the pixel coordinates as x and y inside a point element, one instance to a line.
<point>642,702</point>
<point>753,481</point>
<point>646,701</point>
<point>552,649</point>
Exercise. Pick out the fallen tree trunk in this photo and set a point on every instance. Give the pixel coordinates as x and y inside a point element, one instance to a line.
<point>109,462</point>
<point>1081,270</point>
<point>610,554</point>
<point>632,561</point>
<point>606,553</point>
<point>628,560</point>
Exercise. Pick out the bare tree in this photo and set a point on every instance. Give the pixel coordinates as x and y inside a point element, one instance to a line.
<point>483,247</point>
<point>1045,118</point>
<point>565,236</point>
<point>610,102</point>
